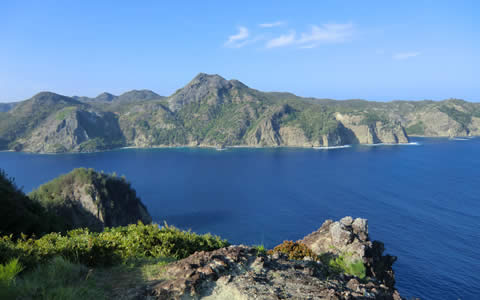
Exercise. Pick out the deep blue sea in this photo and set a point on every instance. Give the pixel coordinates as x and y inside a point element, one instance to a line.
<point>422,201</point>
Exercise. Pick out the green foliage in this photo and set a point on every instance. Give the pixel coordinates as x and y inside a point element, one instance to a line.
<point>315,120</point>
<point>463,118</point>
<point>294,250</point>
<point>64,112</point>
<point>57,279</point>
<point>20,214</point>
<point>8,274</point>
<point>371,118</point>
<point>344,264</point>
<point>110,247</point>
<point>9,271</point>
<point>55,195</point>
<point>261,250</point>
<point>416,129</point>
<point>94,144</point>
<point>27,115</point>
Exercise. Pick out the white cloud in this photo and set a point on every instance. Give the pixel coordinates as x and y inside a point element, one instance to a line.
<point>270,25</point>
<point>238,40</point>
<point>327,33</point>
<point>281,41</point>
<point>405,55</point>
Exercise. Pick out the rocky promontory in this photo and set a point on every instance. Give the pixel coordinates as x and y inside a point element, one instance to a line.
<point>86,198</point>
<point>241,272</point>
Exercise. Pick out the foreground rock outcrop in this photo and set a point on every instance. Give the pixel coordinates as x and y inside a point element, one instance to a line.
<point>350,236</point>
<point>241,272</point>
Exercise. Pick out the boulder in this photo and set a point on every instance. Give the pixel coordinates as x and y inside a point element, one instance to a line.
<point>349,236</point>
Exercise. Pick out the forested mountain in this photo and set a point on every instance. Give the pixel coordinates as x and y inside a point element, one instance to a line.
<point>211,111</point>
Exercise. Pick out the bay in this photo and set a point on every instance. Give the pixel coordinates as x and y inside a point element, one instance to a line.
<point>421,200</point>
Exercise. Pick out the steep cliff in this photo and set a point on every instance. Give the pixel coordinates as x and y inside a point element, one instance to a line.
<point>74,130</point>
<point>90,199</point>
<point>211,111</point>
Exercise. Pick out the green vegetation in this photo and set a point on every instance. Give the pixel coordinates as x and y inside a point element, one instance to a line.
<point>8,274</point>
<point>111,194</point>
<point>110,247</point>
<point>371,118</point>
<point>208,111</point>
<point>64,112</point>
<point>416,129</point>
<point>20,214</point>
<point>316,121</point>
<point>343,264</point>
<point>28,115</point>
<point>463,118</point>
<point>261,250</point>
<point>57,279</point>
<point>336,264</point>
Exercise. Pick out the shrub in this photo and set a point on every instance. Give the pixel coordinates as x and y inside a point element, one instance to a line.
<point>344,264</point>
<point>261,250</point>
<point>8,273</point>
<point>294,250</point>
<point>110,247</point>
<point>20,214</point>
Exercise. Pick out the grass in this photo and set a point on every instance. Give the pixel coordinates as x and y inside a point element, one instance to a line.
<point>64,280</point>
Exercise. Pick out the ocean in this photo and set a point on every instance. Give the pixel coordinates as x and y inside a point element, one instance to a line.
<point>422,200</point>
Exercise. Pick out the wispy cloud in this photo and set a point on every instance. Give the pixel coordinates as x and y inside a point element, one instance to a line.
<point>238,40</point>
<point>405,55</point>
<point>281,41</point>
<point>273,24</point>
<point>327,33</point>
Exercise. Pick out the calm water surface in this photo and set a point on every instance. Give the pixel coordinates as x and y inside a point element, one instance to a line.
<point>422,201</point>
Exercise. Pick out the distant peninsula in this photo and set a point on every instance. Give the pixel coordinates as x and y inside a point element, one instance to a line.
<point>211,111</point>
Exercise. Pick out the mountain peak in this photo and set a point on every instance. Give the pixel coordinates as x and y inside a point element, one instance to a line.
<point>136,95</point>
<point>45,97</point>
<point>105,97</point>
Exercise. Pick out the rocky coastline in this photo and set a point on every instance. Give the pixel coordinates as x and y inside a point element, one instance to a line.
<point>242,272</point>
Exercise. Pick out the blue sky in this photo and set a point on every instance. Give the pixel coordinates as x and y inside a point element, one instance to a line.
<point>376,50</point>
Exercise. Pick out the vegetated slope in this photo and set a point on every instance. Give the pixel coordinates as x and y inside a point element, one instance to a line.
<point>19,214</point>
<point>90,199</point>
<point>212,111</point>
<point>133,95</point>
<point>49,122</point>
<point>4,107</point>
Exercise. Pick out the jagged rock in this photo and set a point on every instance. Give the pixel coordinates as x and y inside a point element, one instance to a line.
<point>238,273</point>
<point>340,238</point>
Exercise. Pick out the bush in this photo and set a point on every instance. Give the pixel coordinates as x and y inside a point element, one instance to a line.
<point>110,247</point>
<point>8,273</point>
<point>344,264</point>
<point>20,214</point>
<point>261,250</point>
<point>294,250</point>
